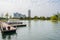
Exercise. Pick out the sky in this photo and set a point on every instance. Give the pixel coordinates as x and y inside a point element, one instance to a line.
<point>37,7</point>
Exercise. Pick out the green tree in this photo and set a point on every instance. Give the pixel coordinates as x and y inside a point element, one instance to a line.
<point>47,18</point>
<point>6,15</point>
<point>36,17</point>
<point>54,17</point>
<point>42,18</point>
<point>10,16</point>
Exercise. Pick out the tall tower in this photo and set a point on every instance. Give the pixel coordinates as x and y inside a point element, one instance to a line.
<point>29,14</point>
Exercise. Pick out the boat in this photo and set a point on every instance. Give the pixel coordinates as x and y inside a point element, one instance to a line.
<point>6,28</point>
<point>16,23</point>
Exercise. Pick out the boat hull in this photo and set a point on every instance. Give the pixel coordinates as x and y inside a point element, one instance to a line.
<point>21,25</point>
<point>8,31</point>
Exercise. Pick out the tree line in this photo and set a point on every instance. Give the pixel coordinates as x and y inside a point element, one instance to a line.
<point>54,17</point>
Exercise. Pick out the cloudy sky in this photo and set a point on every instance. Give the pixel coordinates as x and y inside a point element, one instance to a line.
<point>37,7</point>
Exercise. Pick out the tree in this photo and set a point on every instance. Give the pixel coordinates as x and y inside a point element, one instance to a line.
<point>47,18</point>
<point>36,17</point>
<point>54,17</point>
<point>10,16</point>
<point>7,15</point>
<point>42,18</point>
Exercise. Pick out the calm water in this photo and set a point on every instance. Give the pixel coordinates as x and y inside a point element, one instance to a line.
<point>35,30</point>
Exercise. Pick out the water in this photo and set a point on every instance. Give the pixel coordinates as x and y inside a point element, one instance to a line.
<point>35,30</point>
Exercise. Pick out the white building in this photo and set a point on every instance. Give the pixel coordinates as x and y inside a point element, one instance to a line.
<point>18,15</point>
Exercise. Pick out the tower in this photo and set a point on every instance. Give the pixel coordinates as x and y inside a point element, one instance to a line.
<point>29,14</point>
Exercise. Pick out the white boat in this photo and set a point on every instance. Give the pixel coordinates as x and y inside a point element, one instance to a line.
<point>14,22</point>
<point>5,28</point>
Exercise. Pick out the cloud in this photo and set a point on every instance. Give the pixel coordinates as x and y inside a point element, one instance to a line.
<point>38,7</point>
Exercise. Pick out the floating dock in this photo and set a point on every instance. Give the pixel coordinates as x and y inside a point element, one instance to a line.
<point>18,25</point>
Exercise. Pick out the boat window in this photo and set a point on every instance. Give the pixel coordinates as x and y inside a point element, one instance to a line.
<point>4,28</point>
<point>8,27</point>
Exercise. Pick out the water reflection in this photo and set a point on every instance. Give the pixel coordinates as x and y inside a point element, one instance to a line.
<point>8,36</point>
<point>36,30</point>
<point>54,22</point>
<point>56,25</point>
<point>29,24</point>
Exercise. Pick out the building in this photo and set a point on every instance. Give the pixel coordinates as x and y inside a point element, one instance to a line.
<point>18,15</point>
<point>29,14</point>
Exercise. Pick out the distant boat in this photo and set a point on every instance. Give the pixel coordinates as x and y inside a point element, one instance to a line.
<point>16,23</point>
<point>5,28</point>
